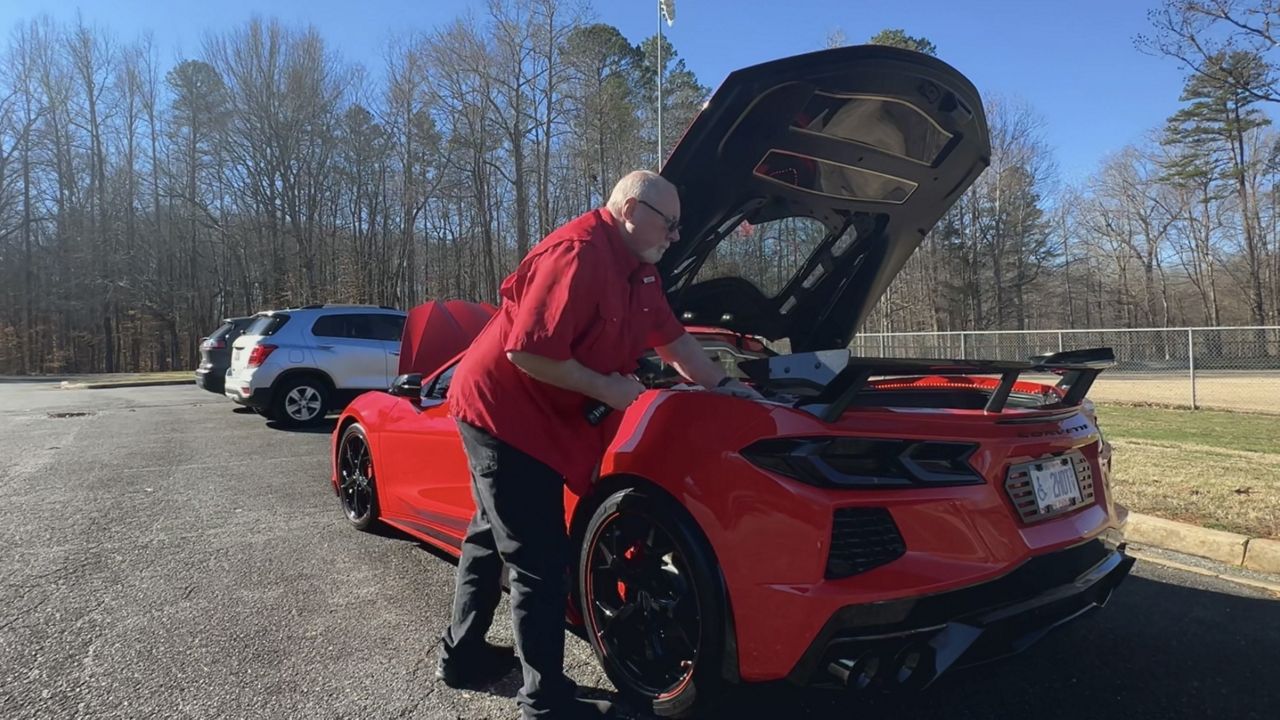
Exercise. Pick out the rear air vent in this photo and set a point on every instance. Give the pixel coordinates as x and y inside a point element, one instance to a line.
<point>862,539</point>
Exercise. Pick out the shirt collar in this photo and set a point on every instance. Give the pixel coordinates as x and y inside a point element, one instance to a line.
<point>626,259</point>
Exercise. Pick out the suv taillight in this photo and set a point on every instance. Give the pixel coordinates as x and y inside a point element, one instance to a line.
<point>259,354</point>
<point>211,344</point>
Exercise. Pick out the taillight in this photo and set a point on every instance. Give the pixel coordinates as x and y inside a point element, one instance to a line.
<point>260,354</point>
<point>211,344</point>
<point>845,462</point>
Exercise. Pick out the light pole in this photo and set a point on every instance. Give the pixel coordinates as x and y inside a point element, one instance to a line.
<point>667,11</point>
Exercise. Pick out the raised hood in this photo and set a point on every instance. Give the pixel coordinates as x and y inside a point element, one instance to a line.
<point>874,142</point>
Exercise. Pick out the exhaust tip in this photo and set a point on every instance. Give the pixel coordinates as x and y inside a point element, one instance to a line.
<point>913,667</point>
<point>859,673</point>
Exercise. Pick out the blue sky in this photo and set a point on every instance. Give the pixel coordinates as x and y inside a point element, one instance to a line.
<point>1074,63</point>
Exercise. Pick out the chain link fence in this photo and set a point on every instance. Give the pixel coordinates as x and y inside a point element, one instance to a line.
<point>1226,368</point>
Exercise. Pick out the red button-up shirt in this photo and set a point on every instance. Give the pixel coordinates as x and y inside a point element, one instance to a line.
<point>581,294</point>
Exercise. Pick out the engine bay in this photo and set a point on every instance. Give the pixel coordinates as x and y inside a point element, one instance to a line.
<point>829,382</point>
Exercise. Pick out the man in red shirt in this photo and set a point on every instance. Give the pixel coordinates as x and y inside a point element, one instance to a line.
<point>577,312</point>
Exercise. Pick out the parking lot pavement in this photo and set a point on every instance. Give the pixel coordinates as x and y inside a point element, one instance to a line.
<point>168,556</point>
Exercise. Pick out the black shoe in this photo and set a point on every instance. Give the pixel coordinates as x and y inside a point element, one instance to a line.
<point>582,709</point>
<point>481,667</point>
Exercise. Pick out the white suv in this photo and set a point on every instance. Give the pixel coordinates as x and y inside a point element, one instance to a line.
<point>295,365</point>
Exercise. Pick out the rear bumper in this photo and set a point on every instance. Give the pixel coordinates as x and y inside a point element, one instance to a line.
<point>259,398</point>
<point>908,643</point>
<point>211,378</point>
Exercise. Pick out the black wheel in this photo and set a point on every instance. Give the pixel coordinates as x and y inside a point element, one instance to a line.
<point>356,490</point>
<point>301,401</point>
<point>652,603</point>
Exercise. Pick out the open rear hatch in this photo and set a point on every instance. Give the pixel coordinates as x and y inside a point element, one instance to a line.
<point>865,146</point>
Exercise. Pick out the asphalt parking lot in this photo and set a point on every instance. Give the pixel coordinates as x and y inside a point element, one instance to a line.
<point>168,556</point>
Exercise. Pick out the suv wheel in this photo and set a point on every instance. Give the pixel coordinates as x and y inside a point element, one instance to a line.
<point>301,401</point>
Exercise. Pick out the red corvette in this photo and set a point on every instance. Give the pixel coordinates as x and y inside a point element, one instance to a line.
<point>872,522</point>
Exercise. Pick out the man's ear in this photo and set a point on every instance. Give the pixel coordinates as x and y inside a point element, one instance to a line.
<point>629,210</point>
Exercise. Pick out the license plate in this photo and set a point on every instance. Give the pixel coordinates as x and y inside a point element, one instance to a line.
<point>1054,483</point>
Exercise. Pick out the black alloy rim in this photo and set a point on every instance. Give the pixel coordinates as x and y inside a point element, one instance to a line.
<point>355,470</point>
<point>643,604</point>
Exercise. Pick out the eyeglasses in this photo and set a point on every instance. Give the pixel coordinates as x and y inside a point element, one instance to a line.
<point>672,225</point>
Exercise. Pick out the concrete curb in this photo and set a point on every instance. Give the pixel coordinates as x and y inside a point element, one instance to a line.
<point>1152,556</point>
<point>1258,554</point>
<point>1263,555</point>
<point>69,385</point>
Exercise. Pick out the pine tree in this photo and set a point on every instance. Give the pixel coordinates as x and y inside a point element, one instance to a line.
<point>1208,139</point>
<point>897,37</point>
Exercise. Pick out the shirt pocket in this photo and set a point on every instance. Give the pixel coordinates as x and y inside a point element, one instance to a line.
<point>648,305</point>
<point>605,347</point>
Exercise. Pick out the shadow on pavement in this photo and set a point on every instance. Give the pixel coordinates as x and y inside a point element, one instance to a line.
<point>325,427</point>
<point>1157,651</point>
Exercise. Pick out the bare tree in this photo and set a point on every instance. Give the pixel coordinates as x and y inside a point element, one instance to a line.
<point>462,87</point>
<point>142,200</point>
<point>1197,33</point>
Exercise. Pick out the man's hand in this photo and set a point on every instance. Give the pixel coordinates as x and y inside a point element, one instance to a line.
<point>689,359</point>
<point>619,391</point>
<point>735,388</point>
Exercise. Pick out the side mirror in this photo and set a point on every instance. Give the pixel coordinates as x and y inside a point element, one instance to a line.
<point>409,385</point>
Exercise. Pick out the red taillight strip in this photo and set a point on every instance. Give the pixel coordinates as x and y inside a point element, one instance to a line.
<point>260,354</point>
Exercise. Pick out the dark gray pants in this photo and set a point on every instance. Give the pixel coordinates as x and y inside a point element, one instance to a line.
<point>519,520</point>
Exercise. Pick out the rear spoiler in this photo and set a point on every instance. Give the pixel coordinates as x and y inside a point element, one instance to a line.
<point>833,377</point>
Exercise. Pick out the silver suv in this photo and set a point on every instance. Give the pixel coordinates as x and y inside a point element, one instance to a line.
<point>295,365</point>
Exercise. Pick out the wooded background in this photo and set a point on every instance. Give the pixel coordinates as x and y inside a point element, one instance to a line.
<point>141,200</point>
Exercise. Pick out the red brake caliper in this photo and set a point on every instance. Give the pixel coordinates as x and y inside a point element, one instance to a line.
<point>629,554</point>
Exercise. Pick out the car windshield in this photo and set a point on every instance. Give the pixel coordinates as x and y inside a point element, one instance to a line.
<point>725,351</point>
<point>438,389</point>
<point>266,324</point>
<point>727,355</point>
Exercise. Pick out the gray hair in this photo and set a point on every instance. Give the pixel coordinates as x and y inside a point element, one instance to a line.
<point>639,184</point>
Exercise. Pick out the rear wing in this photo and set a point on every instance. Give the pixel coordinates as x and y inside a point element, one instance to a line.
<point>834,377</point>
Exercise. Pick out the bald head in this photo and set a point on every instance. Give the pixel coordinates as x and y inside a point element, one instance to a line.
<point>641,185</point>
<point>646,209</point>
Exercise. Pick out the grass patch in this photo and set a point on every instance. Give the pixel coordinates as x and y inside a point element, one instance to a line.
<point>114,380</point>
<point>1216,469</point>
<point>134,377</point>
<point>1230,430</point>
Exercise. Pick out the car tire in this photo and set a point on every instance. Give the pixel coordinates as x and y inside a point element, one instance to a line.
<point>300,401</point>
<point>357,491</point>
<point>674,588</point>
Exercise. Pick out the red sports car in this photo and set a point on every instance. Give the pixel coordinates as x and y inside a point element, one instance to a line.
<point>870,523</point>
